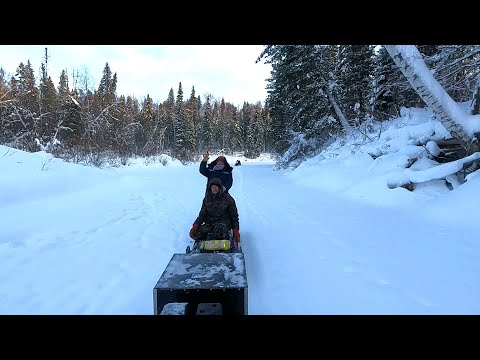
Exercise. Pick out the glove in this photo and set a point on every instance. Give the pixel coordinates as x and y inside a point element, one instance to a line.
<point>192,230</point>
<point>205,157</point>
<point>236,235</point>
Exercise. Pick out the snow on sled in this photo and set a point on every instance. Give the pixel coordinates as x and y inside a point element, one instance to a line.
<point>209,279</point>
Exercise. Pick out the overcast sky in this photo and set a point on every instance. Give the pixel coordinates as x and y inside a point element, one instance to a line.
<point>227,71</point>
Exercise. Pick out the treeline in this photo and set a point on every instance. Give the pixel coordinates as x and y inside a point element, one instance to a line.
<point>76,123</point>
<point>315,94</point>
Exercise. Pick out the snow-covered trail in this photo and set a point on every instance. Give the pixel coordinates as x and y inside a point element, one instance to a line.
<point>324,249</point>
<point>314,246</point>
<point>105,228</point>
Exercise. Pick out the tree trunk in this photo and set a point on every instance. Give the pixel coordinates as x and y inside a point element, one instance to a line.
<point>338,111</point>
<point>476,99</point>
<point>412,65</point>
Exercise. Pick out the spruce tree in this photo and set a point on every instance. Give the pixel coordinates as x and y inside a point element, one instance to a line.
<point>355,81</point>
<point>206,131</point>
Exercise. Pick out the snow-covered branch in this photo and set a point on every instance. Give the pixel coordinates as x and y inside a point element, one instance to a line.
<point>437,172</point>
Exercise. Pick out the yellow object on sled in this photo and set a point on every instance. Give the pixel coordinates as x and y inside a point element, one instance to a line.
<point>218,245</point>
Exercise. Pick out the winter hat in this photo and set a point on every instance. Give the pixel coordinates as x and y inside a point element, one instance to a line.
<point>216,181</point>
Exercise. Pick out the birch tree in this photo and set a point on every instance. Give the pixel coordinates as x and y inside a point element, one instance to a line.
<point>452,117</point>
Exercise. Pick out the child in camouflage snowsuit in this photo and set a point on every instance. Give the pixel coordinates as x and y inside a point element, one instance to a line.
<point>218,214</point>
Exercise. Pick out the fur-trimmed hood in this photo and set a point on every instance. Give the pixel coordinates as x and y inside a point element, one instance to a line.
<point>227,167</point>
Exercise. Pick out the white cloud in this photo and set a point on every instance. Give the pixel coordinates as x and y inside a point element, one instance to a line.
<point>227,71</point>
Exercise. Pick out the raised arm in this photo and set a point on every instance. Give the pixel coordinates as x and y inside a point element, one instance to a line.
<point>203,168</point>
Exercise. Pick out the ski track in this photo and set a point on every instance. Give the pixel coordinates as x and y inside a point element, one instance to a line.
<point>99,239</point>
<point>344,267</point>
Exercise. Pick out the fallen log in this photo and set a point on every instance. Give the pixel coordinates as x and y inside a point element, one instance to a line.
<point>443,171</point>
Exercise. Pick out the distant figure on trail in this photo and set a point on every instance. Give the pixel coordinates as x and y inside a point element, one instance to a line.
<point>218,168</point>
<point>218,215</point>
<point>238,163</point>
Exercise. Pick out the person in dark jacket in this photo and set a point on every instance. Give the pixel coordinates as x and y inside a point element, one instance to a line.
<point>218,215</point>
<point>218,168</point>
